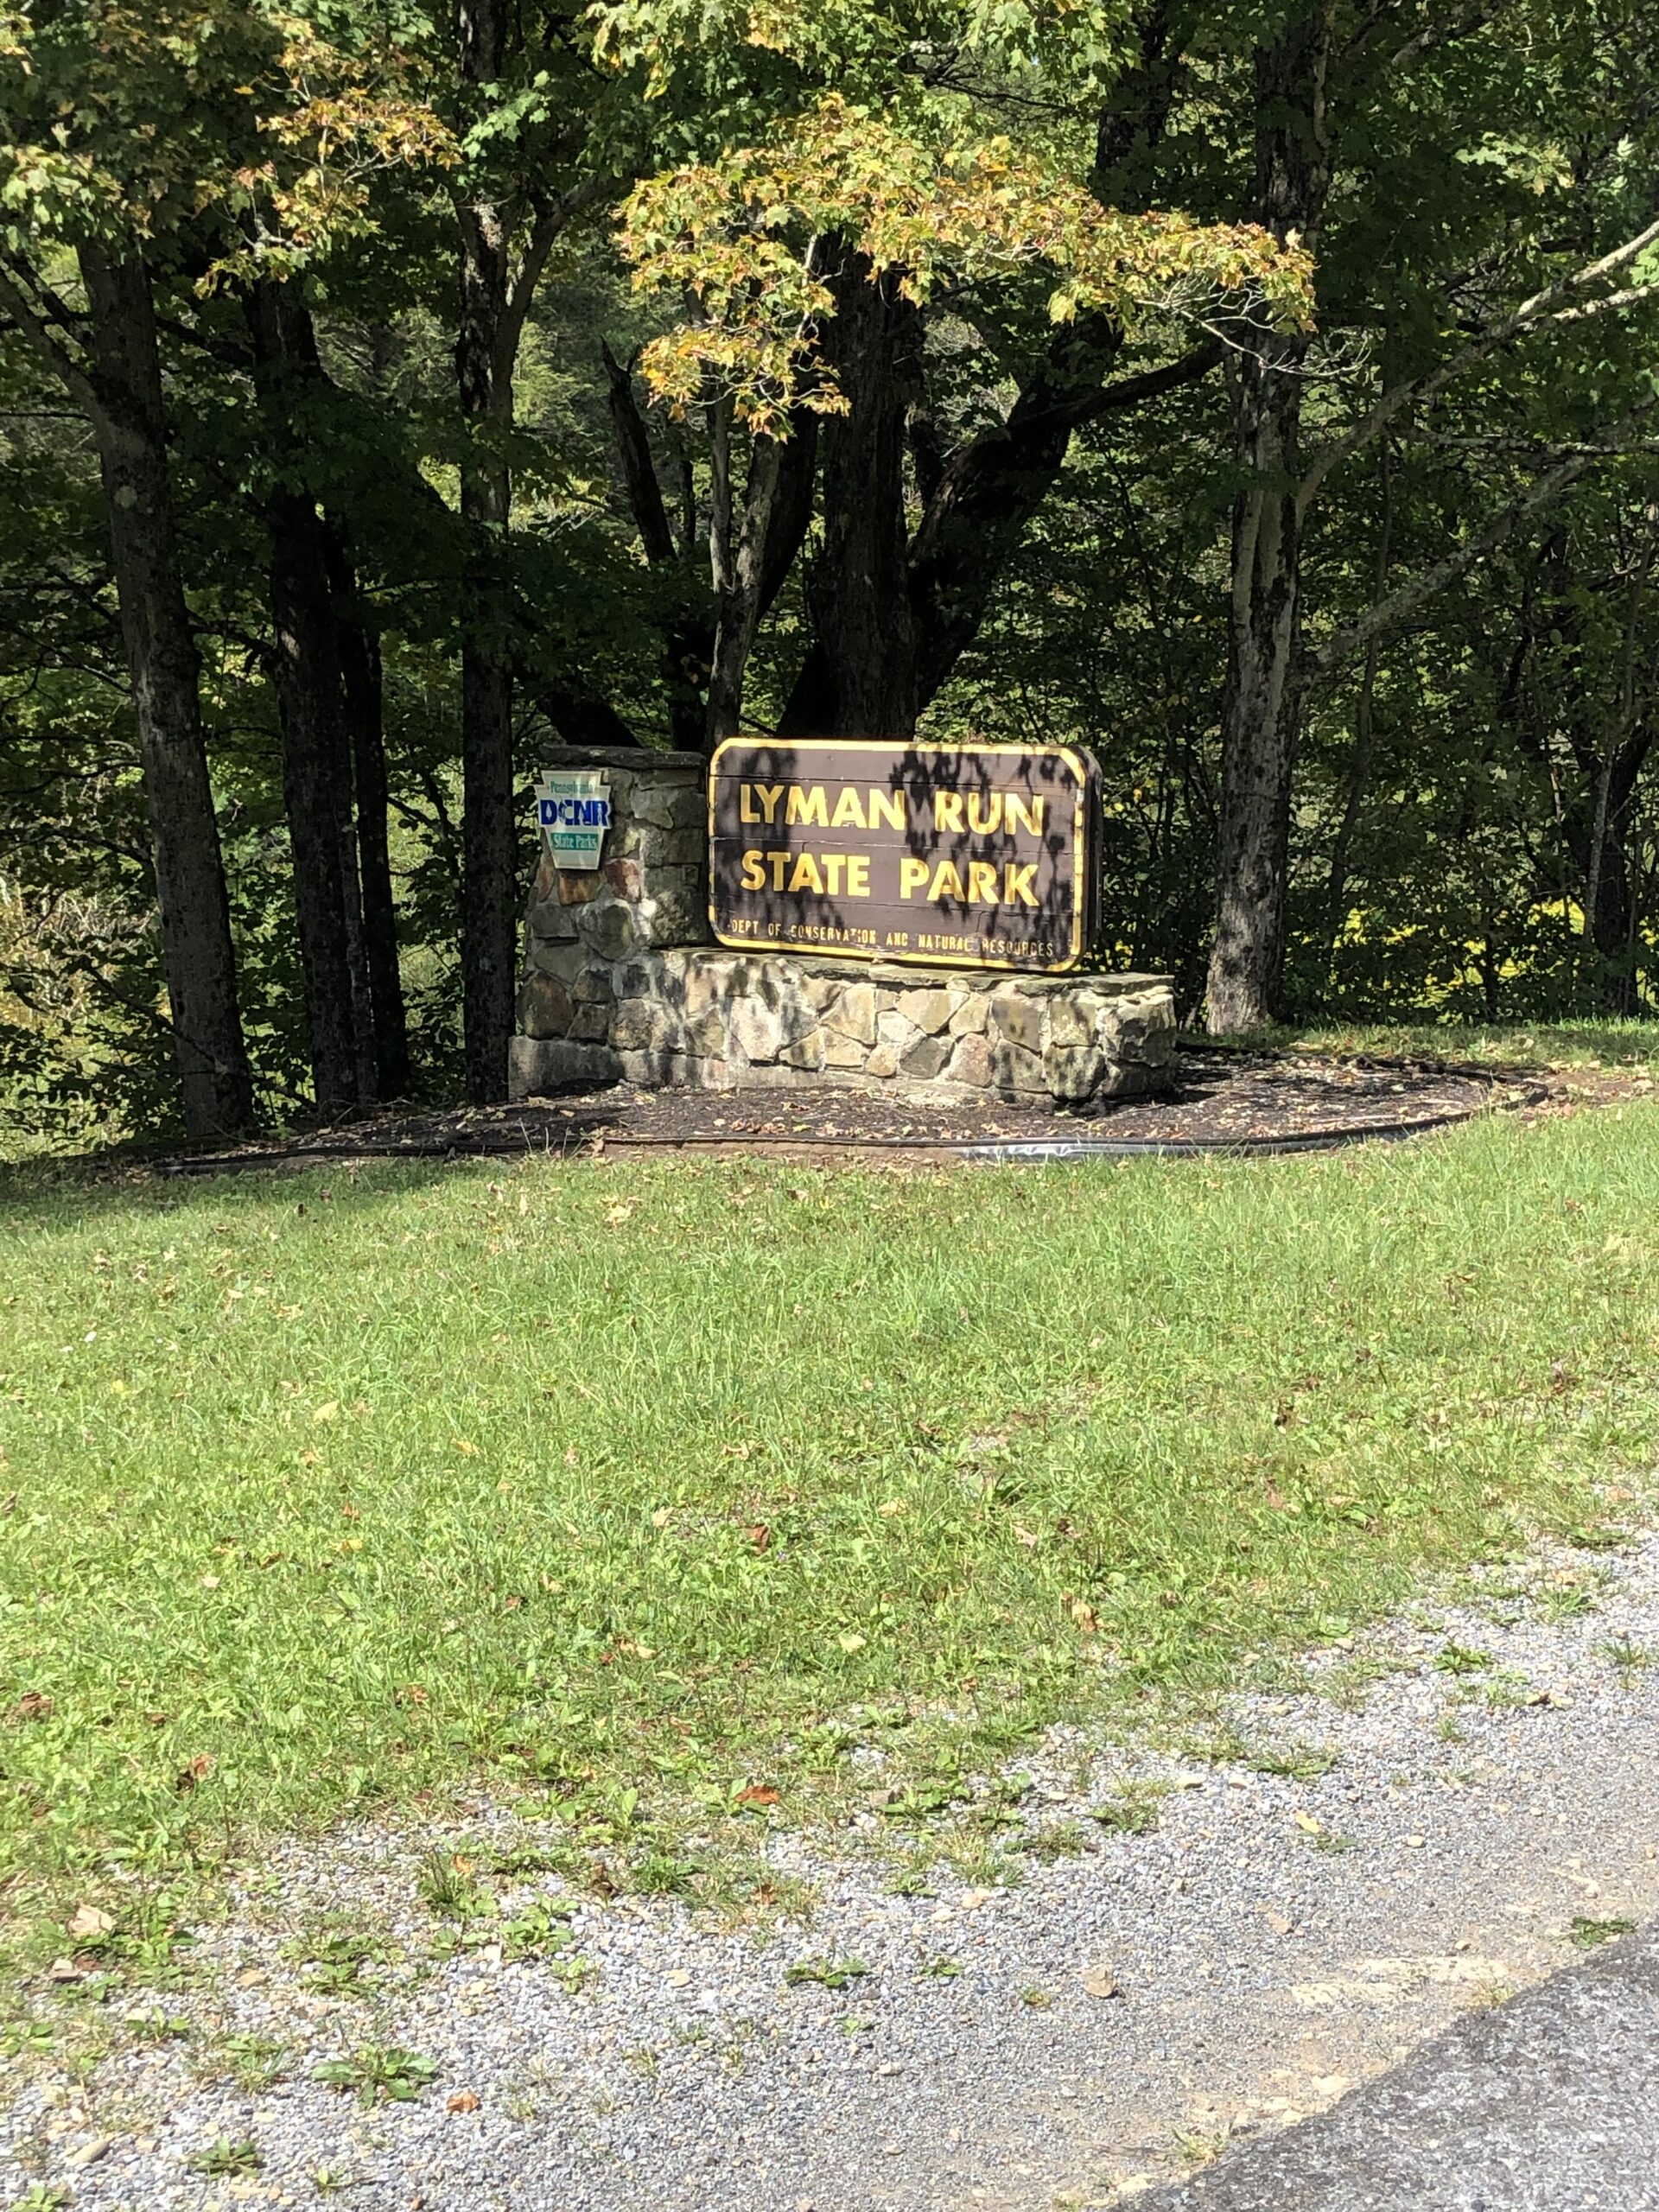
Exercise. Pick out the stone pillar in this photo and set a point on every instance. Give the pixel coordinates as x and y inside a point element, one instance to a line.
<point>650,891</point>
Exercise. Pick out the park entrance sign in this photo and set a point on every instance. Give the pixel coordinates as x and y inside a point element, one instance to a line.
<point>968,856</point>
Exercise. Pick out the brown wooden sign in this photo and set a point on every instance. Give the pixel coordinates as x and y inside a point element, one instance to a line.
<point>964,857</point>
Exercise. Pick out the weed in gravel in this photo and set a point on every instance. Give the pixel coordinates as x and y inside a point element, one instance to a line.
<point>153,2025</point>
<point>1487,1996</point>
<point>827,1973</point>
<point>1584,1933</point>
<point>43,2197</point>
<point>1294,1762</point>
<point>1628,1656</point>
<point>329,2181</point>
<point>1132,1810</point>
<point>1056,1839</point>
<point>1447,1728</point>
<point>1037,1999</point>
<point>939,1969</point>
<point>27,2039</point>
<point>378,2075</point>
<point>1315,1833</point>
<point>448,1888</point>
<point>337,1964</point>
<point>254,2061</point>
<point>1462,1659</point>
<point>1569,1597</point>
<point>227,2158</point>
<point>1509,1688</point>
<point>855,2023</point>
<point>913,1878</point>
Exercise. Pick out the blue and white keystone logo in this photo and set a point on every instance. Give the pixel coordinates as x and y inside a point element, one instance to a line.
<point>573,812</point>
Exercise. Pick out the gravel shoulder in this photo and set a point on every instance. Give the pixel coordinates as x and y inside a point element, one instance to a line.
<point>1461,1792</point>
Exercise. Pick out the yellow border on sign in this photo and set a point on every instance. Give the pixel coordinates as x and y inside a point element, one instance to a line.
<point>1073,760</point>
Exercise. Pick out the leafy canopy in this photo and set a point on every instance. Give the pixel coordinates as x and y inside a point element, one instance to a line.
<point>931,204</point>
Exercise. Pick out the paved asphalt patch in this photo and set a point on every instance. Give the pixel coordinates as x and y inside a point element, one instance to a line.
<point>1549,2104</point>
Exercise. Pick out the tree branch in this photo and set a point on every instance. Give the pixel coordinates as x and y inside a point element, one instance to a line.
<point>638,470</point>
<point>1422,587</point>
<point>44,342</point>
<point>1540,308</point>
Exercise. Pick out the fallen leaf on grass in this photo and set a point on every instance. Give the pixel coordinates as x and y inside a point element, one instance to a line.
<point>88,1921</point>
<point>463,2101</point>
<point>759,1536</point>
<point>188,1776</point>
<point>32,1706</point>
<point>1100,1981</point>
<point>329,1410</point>
<point>756,1793</point>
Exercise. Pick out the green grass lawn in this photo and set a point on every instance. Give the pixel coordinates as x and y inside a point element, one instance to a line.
<point>623,1489</point>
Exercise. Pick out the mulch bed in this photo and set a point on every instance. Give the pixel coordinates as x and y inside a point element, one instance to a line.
<point>1220,1101</point>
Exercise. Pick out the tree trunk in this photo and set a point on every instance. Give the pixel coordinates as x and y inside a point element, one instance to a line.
<point>129,425</point>
<point>489,870</point>
<point>1262,702</point>
<point>311,707</point>
<point>862,681</point>
<point>360,655</point>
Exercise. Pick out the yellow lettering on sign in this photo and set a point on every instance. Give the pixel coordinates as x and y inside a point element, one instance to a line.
<point>982,819</point>
<point>886,807</point>
<point>833,864</point>
<point>982,879</point>
<point>755,871</point>
<point>808,805</point>
<point>1024,814</point>
<point>769,795</point>
<point>745,809</point>
<point>806,876</point>
<point>947,880</point>
<point>912,875</point>
<point>779,863</point>
<point>858,875</point>
<point>1018,881</point>
<point>947,810</point>
<point>848,809</point>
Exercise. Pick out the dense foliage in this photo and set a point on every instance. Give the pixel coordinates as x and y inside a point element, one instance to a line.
<point>1265,398</point>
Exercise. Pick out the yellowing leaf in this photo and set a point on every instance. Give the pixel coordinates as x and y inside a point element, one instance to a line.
<point>329,1410</point>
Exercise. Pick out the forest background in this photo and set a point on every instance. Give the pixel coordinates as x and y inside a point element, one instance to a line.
<point>1264,398</point>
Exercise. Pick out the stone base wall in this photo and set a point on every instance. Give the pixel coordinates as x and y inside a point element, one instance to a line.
<point>620,984</point>
<point>718,1020</point>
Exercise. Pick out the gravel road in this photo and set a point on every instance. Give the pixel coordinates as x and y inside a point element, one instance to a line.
<point>1112,2022</point>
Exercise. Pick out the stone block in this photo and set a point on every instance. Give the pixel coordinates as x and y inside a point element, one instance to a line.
<point>1074,1076</point>
<point>544,1006</point>
<point>891,1029</point>
<point>591,1022</point>
<point>1019,1019</point>
<point>613,930</point>
<point>548,958</point>
<point>674,912</point>
<point>882,1064</point>
<point>756,1029</point>
<point>547,919</point>
<point>537,1067</point>
<point>842,1052</point>
<point>593,982</point>
<point>821,992</point>
<point>854,1013</point>
<point>645,1025</point>
<point>928,1010</point>
<point>705,1033</point>
<point>807,1053</point>
<point>924,1058</point>
<point>971,1063</point>
<point>579,886</point>
<point>669,803</point>
<point>1072,1021</point>
<point>623,876</point>
<point>970,1017</point>
<point>1017,1073</point>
